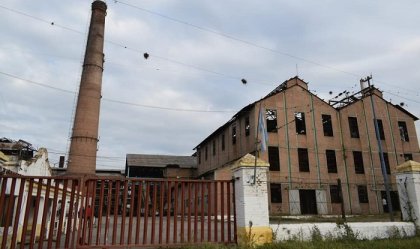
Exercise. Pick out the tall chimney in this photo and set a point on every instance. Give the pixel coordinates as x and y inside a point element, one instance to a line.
<point>84,139</point>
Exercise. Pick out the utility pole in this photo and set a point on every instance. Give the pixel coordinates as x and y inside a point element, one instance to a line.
<point>381,155</point>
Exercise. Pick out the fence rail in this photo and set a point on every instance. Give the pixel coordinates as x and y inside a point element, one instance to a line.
<point>38,212</point>
<point>66,212</point>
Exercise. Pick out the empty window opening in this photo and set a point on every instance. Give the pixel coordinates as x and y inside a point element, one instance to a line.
<point>303,160</point>
<point>386,161</point>
<point>300,122</point>
<point>223,142</point>
<point>275,193</point>
<point>271,120</point>
<point>358,162</point>
<point>362,193</point>
<point>408,157</point>
<point>331,161</point>
<point>402,126</point>
<point>234,134</point>
<point>273,158</point>
<point>247,126</point>
<point>327,125</point>
<point>335,194</point>
<point>354,128</point>
<point>380,129</point>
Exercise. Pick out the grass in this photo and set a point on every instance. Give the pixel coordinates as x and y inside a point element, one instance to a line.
<point>405,243</point>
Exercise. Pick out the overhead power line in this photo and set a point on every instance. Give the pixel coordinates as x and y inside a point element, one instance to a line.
<point>115,100</point>
<point>228,36</point>
<point>231,37</point>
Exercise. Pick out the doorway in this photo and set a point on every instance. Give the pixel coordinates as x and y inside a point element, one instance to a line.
<point>307,201</point>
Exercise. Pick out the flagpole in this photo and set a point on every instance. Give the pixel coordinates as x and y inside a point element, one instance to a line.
<point>256,145</point>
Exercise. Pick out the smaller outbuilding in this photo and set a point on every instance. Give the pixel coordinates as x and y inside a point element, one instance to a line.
<point>160,166</point>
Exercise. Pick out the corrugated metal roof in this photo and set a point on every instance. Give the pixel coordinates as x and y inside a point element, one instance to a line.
<point>160,161</point>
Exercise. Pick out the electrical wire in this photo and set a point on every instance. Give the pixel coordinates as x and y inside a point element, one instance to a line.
<point>231,37</point>
<point>118,101</point>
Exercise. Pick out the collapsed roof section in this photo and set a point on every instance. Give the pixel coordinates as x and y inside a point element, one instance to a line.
<point>336,104</point>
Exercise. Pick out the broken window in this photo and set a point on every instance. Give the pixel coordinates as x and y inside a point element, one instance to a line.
<point>247,126</point>
<point>408,157</point>
<point>380,129</point>
<point>273,158</point>
<point>300,122</point>
<point>233,134</point>
<point>303,160</point>
<point>327,125</point>
<point>331,161</point>
<point>354,128</point>
<point>275,193</point>
<point>358,162</point>
<point>363,194</point>
<point>271,120</point>
<point>402,126</point>
<point>206,153</point>
<point>335,194</point>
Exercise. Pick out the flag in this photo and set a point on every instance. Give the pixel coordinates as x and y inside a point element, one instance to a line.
<point>262,130</point>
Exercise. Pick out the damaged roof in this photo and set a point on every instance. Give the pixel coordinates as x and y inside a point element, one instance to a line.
<point>161,161</point>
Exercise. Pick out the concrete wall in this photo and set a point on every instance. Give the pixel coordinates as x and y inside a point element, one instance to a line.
<point>369,231</point>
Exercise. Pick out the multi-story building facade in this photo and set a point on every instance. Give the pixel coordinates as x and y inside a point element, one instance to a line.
<point>312,144</point>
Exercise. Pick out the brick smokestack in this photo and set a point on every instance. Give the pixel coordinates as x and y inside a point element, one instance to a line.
<point>84,139</point>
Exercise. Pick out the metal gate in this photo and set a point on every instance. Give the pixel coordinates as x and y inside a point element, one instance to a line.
<point>38,212</point>
<point>106,212</point>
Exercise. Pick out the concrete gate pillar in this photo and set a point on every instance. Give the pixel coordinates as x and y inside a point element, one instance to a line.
<point>252,216</point>
<point>408,182</point>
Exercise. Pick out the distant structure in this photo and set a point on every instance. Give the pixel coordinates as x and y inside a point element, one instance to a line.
<point>312,143</point>
<point>160,166</point>
<point>84,139</point>
<point>12,153</point>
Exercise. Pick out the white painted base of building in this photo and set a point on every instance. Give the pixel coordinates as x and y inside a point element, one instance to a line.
<point>364,230</point>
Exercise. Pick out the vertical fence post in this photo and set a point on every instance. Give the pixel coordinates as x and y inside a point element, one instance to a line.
<point>251,200</point>
<point>408,181</point>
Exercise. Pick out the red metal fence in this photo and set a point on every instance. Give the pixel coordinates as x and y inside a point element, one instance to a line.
<point>38,212</point>
<point>64,212</point>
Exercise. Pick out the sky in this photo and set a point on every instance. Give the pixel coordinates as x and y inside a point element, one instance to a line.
<point>199,51</point>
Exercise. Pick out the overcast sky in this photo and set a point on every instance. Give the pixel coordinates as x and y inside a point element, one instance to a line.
<point>199,52</point>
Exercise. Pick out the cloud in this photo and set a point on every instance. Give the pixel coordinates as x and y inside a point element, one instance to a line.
<point>190,68</point>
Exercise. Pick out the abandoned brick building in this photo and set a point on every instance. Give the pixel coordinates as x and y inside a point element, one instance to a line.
<point>312,143</point>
